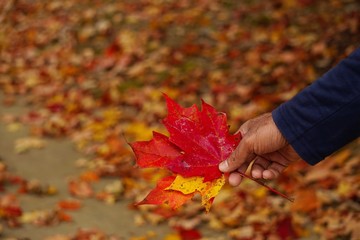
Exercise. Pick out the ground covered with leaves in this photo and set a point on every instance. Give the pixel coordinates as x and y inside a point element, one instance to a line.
<point>94,72</point>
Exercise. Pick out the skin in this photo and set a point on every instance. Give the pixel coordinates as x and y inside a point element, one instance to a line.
<point>264,146</point>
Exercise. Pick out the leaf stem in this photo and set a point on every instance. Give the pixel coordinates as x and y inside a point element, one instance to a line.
<point>270,188</point>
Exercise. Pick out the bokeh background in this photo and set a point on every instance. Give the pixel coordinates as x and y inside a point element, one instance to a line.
<point>80,78</point>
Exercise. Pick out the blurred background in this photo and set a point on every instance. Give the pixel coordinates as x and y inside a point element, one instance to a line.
<point>80,78</point>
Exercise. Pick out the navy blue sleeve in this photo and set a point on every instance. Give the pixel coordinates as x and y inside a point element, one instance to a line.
<point>324,116</point>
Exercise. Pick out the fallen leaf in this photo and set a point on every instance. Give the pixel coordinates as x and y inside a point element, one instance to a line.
<point>188,234</point>
<point>306,201</point>
<point>285,228</point>
<point>71,204</point>
<point>80,188</point>
<point>89,176</point>
<point>25,144</point>
<point>64,217</point>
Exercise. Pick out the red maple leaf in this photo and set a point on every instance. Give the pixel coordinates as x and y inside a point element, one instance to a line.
<point>199,140</point>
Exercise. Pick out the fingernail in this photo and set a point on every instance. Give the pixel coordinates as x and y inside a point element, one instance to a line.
<point>223,166</point>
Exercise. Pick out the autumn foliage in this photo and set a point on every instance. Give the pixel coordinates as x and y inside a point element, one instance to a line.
<point>92,72</point>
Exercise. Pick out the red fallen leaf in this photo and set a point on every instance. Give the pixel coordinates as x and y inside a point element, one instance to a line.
<point>199,140</point>
<point>69,204</point>
<point>10,211</point>
<point>16,179</point>
<point>285,229</point>
<point>112,49</point>
<point>56,107</point>
<point>159,196</point>
<point>234,53</point>
<point>191,49</point>
<point>188,234</point>
<point>85,234</point>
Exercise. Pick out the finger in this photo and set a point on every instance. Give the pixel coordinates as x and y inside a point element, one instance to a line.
<point>260,164</point>
<point>235,179</point>
<point>225,166</point>
<point>243,153</point>
<point>277,157</point>
<point>244,128</point>
<point>243,167</point>
<point>273,171</point>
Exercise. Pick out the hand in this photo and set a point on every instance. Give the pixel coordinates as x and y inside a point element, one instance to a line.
<point>264,145</point>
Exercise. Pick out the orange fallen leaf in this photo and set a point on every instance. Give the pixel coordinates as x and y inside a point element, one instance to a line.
<point>89,176</point>
<point>64,217</point>
<point>306,201</point>
<point>71,204</point>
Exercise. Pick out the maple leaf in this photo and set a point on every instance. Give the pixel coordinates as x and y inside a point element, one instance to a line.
<point>199,140</point>
<point>159,195</point>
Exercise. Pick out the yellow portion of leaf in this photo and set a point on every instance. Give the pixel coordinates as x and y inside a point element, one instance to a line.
<point>208,190</point>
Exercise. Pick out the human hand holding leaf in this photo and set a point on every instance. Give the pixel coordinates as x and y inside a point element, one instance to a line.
<point>199,140</point>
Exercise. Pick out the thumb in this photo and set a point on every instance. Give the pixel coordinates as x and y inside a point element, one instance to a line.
<point>243,153</point>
